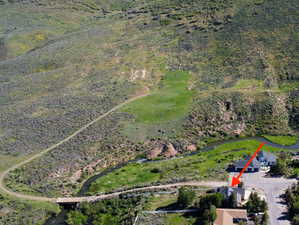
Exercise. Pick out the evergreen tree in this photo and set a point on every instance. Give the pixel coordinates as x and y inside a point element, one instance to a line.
<point>232,201</point>
<point>186,197</point>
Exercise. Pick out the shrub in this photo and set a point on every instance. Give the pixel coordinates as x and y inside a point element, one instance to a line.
<point>76,218</point>
<point>255,204</point>
<point>186,197</point>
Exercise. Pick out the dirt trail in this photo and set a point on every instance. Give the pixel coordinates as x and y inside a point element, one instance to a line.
<point>90,198</point>
<point>29,197</point>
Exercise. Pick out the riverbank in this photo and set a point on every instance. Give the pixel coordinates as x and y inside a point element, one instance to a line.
<point>199,165</point>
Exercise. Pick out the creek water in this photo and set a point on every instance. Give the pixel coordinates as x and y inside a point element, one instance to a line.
<point>61,217</point>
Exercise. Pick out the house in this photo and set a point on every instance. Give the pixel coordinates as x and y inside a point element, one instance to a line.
<point>230,216</point>
<point>266,158</point>
<point>242,194</point>
<point>254,166</point>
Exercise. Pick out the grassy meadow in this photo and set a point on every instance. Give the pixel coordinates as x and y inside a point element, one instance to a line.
<point>282,139</point>
<point>210,165</point>
<point>169,101</point>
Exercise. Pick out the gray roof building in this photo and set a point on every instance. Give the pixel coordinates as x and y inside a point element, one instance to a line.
<point>254,166</point>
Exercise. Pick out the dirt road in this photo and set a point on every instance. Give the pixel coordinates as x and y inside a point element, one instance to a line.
<point>41,153</point>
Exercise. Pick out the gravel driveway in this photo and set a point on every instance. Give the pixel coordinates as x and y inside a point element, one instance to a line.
<point>272,189</point>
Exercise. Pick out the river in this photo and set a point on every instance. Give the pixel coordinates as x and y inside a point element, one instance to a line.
<point>60,218</point>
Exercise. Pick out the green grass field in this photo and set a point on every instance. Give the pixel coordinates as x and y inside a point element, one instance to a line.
<point>159,201</point>
<point>205,165</point>
<point>169,101</point>
<point>283,140</point>
<point>178,219</point>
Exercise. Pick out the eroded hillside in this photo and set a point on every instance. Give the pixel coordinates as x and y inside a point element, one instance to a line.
<point>212,69</point>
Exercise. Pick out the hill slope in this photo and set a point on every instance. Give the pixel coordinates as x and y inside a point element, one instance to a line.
<point>214,69</point>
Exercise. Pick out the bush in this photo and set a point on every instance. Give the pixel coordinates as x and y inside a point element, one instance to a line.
<point>209,215</point>
<point>281,167</point>
<point>76,218</point>
<point>155,170</point>
<point>255,204</point>
<point>216,199</point>
<point>164,22</point>
<point>186,197</point>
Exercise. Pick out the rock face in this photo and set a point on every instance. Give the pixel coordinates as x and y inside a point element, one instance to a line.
<point>155,152</point>
<point>162,150</point>
<point>191,148</point>
<point>234,114</point>
<point>170,151</point>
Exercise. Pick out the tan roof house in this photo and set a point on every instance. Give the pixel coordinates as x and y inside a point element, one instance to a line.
<point>230,216</point>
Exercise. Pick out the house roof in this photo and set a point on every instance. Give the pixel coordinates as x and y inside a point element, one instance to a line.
<point>226,216</point>
<point>241,163</point>
<point>228,191</point>
<point>267,156</point>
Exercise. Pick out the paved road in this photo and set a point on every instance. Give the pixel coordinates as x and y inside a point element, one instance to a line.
<point>154,187</point>
<point>272,189</point>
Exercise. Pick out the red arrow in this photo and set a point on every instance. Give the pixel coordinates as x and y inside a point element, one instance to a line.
<point>236,180</point>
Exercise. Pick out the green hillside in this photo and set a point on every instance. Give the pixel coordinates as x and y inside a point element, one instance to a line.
<point>212,69</point>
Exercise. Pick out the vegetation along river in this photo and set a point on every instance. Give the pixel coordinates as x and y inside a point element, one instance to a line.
<point>59,219</point>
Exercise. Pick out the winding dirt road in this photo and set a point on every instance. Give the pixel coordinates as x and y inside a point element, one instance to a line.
<point>6,190</point>
<point>41,153</point>
<point>89,198</point>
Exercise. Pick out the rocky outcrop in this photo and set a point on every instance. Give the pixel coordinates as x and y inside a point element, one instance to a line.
<point>162,150</point>
<point>234,114</point>
<point>155,152</point>
<point>191,148</point>
<point>170,151</point>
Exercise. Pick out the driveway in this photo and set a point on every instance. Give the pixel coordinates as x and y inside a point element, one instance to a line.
<point>272,188</point>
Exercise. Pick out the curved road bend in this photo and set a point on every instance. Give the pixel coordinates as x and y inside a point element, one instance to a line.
<point>37,198</point>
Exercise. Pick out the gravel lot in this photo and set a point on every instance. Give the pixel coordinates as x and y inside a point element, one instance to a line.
<point>272,189</point>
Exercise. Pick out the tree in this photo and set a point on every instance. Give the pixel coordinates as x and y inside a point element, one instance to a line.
<point>106,219</point>
<point>232,201</point>
<point>296,220</point>
<point>209,215</point>
<point>186,197</point>
<point>216,199</point>
<point>281,166</point>
<point>76,218</point>
<point>292,200</point>
<point>255,204</point>
<point>265,219</point>
<point>213,214</point>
